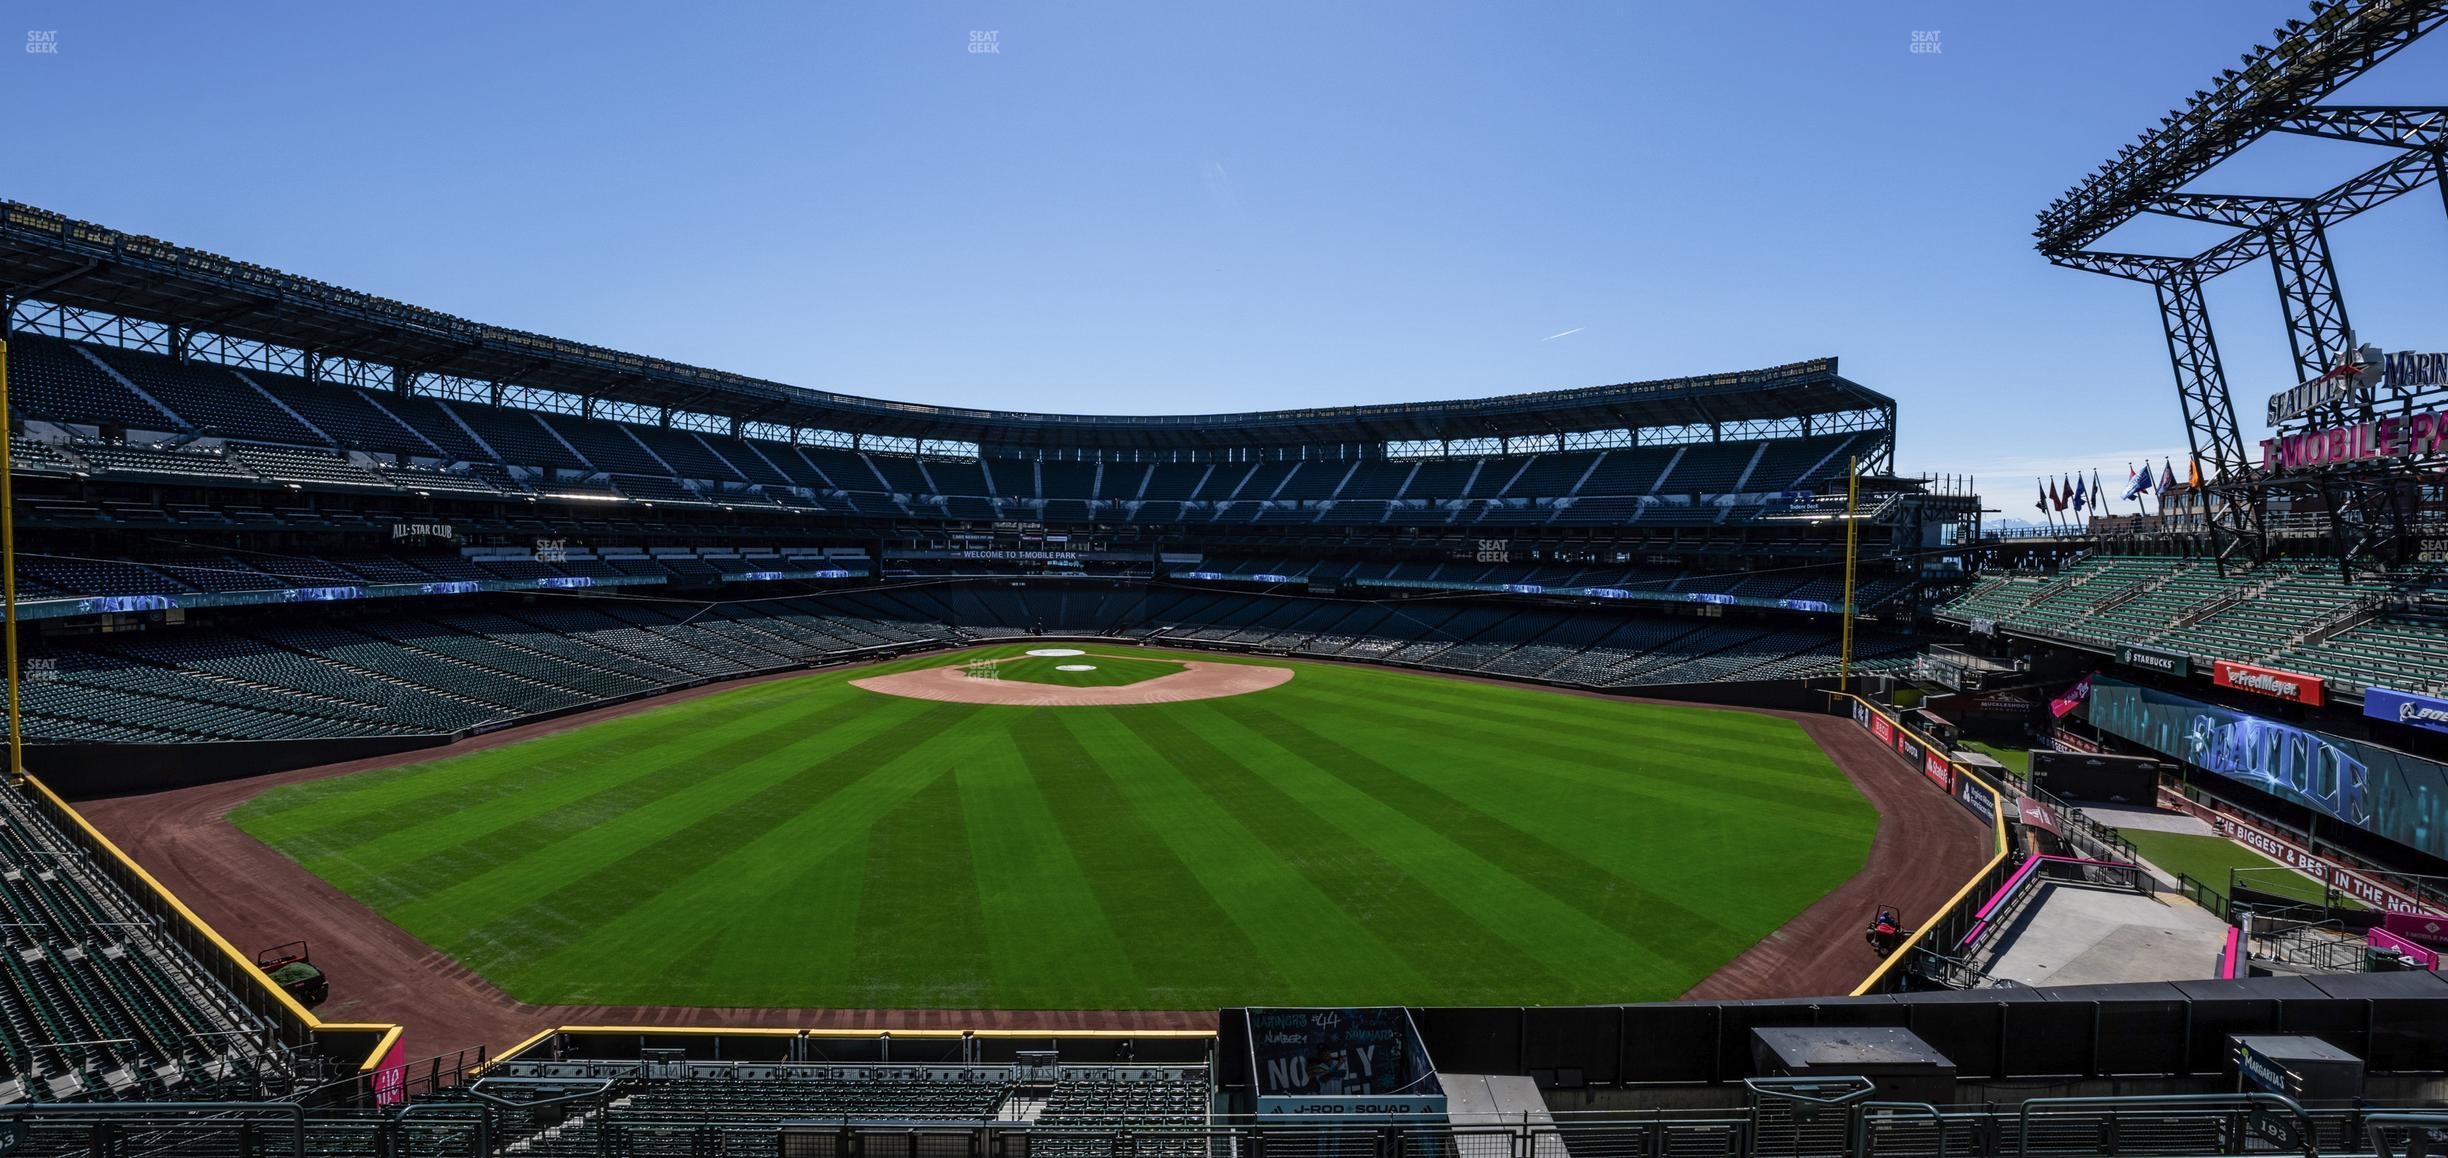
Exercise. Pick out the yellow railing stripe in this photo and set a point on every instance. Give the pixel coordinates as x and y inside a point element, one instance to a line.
<point>1997,821</point>
<point>852,1034</point>
<point>382,1046</point>
<point>537,1038</point>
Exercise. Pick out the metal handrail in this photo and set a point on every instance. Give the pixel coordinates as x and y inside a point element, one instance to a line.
<point>2303,1120</point>
<point>1861,1123</point>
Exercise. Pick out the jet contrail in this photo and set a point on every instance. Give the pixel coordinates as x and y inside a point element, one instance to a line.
<point>1565,334</point>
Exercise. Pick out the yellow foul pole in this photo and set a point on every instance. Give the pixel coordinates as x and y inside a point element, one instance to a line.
<point>1844,667</point>
<point>8,582</point>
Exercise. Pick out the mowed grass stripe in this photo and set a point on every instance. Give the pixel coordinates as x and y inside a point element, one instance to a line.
<point>1430,933</point>
<point>795,951</point>
<point>454,846</point>
<point>1547,795</point>
<point>1628,768</point>
<point>1595,956</point>
<point>921,936</point>
<point>345,810</point>
<point>1761,757</point>
<point>1627,906</point>
<point>649,940</point>
<point>1184,945</point>
<point>1298,928</point>
<point>1030,886</point>
<point>1696,733</point>
<point>533,903</point>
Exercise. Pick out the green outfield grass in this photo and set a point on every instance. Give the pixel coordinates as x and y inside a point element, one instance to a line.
<point>2016,760</point>
<point>1354,835</point>
<point>1108,671</point>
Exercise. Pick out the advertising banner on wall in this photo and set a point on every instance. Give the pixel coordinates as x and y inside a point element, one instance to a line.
<point>391,1075</point>
<point>2293,687</point>
<point>1935,767</point>
<point>2277,846</point>
<point>2070,699</point>
<point>1909,748</point>
<point>2397,795</point>
<point>2414,711</point>
<point>2065,741</point>
<point>1328,1064</point>
<point>2159,661</point>
<point>1970,794</point>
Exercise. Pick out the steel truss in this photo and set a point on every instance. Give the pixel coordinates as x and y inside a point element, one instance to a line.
<point>2277,90</point>
<point>2209,413</point>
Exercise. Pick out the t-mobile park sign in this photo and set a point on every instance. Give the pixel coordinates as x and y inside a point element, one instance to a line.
<point>2357,442</point>
<point>2269,681</point>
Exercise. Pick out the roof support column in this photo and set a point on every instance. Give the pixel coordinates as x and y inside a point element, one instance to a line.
<point>2317,329</point>
<point>2209,414</point>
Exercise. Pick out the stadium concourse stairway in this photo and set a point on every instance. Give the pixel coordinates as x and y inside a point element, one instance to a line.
<point>443,672</point>
<point>2368,630</point>
<point>113,413</point>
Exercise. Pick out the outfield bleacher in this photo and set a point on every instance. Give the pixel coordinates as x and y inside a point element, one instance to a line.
<point>2301,615</point>
<point>99,1002</point>
<point>417,671</point>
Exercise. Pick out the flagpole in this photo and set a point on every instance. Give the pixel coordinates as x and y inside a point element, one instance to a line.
<point>8,583</point>
<point>1844,666</point>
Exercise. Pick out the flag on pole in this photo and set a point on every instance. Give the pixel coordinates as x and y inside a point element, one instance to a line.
<point>2042,505</point>
<point>2057,497</point>
<point>2099,494</point>
<point>2167,476</point>
<point>2141,483</point>
<point>2081,496</point>
<point>2195,481</point>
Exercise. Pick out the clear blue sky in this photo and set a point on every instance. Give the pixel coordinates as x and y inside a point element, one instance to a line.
<point>1172,207</point>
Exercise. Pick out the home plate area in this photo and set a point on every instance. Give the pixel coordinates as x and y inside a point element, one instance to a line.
<point>1009,681</point>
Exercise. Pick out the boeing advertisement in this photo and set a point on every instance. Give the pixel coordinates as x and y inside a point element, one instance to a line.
<point>2414,711</point>
<point>2398,796</point>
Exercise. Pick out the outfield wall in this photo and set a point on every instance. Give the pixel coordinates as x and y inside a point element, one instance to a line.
<point>2139,1037</point>
<point>1934,932</point>
<point>851,1047</point>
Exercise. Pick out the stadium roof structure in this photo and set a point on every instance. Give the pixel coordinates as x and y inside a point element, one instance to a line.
<point>2277,89</point>
<point>52,258</point>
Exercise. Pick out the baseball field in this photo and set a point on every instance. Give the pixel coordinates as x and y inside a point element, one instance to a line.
<point>1349,835</point>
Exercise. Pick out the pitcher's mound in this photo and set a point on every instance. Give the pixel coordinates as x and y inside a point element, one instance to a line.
<point>1197,681</point>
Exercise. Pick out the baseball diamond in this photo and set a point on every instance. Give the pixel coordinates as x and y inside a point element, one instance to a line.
<point>1343,836</point>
